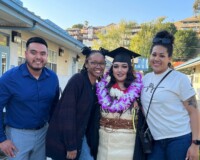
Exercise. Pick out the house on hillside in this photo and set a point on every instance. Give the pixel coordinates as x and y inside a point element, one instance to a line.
<point>192,23</point>
<point>87,35</point>
<point>193,66</point>
<point>18,24</point>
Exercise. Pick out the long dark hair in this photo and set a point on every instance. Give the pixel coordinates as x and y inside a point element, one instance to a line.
<point>129,79</point>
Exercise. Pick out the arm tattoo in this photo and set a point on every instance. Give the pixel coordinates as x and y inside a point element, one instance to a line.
<point>192,102</point>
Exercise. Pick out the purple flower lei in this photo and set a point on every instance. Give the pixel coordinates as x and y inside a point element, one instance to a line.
<point>124,102</point>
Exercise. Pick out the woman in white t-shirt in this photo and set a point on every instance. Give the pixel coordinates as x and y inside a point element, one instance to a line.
<point>173,116</point>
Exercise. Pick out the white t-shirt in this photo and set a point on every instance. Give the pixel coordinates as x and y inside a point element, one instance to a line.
<point>167,116</point>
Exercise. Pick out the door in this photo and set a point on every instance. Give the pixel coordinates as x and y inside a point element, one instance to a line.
<point>4,52</point>
<point>3,59</point>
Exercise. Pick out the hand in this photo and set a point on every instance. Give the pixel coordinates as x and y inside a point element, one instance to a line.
<point>193,152</point>
<point>8,148</point>
<point>135,104</point>
<point>71,154</point>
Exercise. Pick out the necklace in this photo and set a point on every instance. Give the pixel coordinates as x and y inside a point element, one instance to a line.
<point>113,104</point>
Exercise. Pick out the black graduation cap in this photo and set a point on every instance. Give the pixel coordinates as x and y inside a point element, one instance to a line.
<point>122,54</point>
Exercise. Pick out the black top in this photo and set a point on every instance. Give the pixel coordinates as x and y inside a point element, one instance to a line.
<point>70,119</point>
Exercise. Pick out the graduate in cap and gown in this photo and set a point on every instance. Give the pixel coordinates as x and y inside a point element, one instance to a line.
<point>117,93</point>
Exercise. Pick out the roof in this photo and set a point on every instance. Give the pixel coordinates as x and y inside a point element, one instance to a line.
<point>175,64</point>
<point>190,19</point>
<point>16,17</point>
<point>190,63</point>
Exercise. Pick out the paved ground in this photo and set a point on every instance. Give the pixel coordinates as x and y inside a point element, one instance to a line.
<point>1,158</point>
<point>4,158</point>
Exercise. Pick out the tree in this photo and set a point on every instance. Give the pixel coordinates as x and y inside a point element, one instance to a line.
<point>186,43</point>
<point>196,6</point>
<point>80,26</point>
<point>86,23</point>
<point>141,42</point>
<point>114,35</point>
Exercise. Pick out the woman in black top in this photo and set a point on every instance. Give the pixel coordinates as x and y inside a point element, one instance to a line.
<point>67,128</point>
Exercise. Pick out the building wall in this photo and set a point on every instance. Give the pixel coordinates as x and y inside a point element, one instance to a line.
<point>196,83</point>
<point>195,80</point>
<point>189,23</point>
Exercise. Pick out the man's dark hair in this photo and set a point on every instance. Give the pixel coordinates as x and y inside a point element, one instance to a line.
<point>36,40</point>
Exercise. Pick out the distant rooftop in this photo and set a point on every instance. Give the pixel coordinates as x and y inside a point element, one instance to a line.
<point>189,63</point>
<point>191,19</point>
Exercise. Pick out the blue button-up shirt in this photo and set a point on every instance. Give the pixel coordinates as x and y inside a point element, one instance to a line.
<point>28,100</point>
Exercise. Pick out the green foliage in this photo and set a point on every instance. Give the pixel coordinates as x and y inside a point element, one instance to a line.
<point>114,35</point>
<point>142,41</point>
<point>86,23</point>
<point>196,6</point>
<point>186,42</point>
<point>80,26</point>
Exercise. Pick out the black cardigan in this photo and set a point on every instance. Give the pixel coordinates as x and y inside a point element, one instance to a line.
<point>70,119</point>
<point>92,132</point>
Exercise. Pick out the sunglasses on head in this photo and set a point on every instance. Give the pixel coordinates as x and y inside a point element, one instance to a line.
<point>162,40</point>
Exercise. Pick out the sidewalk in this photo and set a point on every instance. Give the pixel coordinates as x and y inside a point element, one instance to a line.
<point>4,158</point>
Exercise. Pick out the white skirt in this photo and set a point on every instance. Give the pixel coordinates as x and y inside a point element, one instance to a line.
<point>117,144</point>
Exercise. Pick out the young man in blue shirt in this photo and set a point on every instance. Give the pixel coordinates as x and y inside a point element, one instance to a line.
<point>29,93</point>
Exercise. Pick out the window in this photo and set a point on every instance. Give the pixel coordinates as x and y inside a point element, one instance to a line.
<point>52,60</point>
<point>4,41</point>
<point>21,60</point>
<point>3,62</point>
<point>196,79</point>
<point>21,51</point>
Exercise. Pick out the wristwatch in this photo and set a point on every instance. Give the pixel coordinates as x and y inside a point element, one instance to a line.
<point>197,142</point>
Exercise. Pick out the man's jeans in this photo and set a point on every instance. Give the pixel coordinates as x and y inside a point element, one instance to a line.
<point>30,143</point>
<point>85,151</point>
<point>171,148</point>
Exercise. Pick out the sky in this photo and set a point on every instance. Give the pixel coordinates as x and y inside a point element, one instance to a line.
<point>66,13</point>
